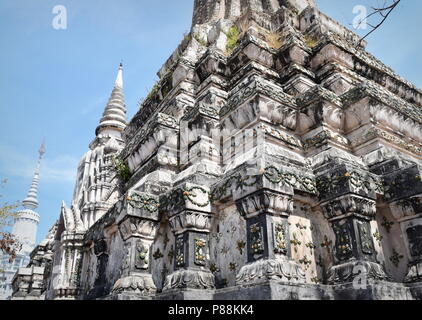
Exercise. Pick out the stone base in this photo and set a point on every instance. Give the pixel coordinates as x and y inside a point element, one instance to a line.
<point>192,279</point>
<point>262,270</point>
<point>280,290</point>
<point>276,290</point>
<point>272,290</point>
<point>361,270</point>
<point>375,290</point>
<point>186,294</point>
<point>134,285</point>
<point>127,296</point>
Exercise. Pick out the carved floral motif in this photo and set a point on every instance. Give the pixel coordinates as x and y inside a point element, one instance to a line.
<point>279,239</point>
<point>142,251</point>
<point>344,248</point>
<point>270,269</point>
<point>200,251</point>
<point>180,252</point>
<point>256,240</point>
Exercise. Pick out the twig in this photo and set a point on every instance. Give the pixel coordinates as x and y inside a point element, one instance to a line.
<point>384,12</point>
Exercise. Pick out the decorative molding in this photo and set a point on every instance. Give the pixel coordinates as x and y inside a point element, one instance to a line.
<point>270,270</point>
<point>346,273</point>
<point>183,279</point>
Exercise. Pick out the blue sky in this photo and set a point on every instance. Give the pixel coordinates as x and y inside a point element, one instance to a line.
<point>54,84</point>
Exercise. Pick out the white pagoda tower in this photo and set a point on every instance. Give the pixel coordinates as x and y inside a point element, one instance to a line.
<point>25,230</point>
<point>26,223</point>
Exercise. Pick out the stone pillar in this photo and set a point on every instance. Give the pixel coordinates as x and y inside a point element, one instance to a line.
<point>347,197</point>
<point>138,225</point>
<point>66,285</point>
<point>101,252</point>
<point>408,213</point>
<point>189,211</point>
<point>266,208</point>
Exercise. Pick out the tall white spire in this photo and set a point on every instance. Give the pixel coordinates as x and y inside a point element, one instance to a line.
<point>31,200</point>
<point>114,116</point>
<point>27,220</point>
<point>119,79</point>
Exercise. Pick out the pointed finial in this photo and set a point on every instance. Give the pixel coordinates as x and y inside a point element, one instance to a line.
<point>119,78</point>
<point>42,149</point>
<point>114,116</point>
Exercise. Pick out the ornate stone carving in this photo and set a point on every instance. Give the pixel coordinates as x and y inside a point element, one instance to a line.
<point>280,239</point>
<point>347,272</point>
<point>193,220</point>
<point>187,197</point>
<point>142,255</point>
<point>136,284</point>
<point>256,241</point>
<point>366,241</point>
<point>200,251</point>
<point>350,204</point>
<point>193,279</point>
<point>270,270</point>
<point>135,227</point>
<point>344,242</point>
<point>180,252</point>
<point>265,201</point>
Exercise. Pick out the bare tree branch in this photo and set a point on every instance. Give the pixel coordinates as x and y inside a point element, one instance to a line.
<point>384,12</point>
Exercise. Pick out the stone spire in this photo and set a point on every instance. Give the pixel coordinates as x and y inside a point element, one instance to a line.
<point>212,10</point>
<point>114,116</point>
<point>31,201</point>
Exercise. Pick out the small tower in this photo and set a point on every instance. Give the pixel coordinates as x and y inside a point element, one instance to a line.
<point>94,188</point>
<point>26,223</point>
<point>114,116</point>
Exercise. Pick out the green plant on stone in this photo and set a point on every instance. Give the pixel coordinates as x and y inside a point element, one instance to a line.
<point>154,91</point>
<point>232,39</point>
<point>274,39</point>
<point>122,169</point>
<point>187,36</point>
<point>310,41</point>
<point>201,41</point>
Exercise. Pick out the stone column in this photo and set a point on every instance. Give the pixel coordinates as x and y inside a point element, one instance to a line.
<point>408,213</point>
<point>189,211</point>
<point>138,226</point>
<point>66,285</point>
<point>403,193</point>
<point>348,201</point>
<point>266,208</point>
<point>102,254</point>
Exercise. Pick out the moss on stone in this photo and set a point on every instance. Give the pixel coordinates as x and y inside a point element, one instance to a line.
<point>232,39</point>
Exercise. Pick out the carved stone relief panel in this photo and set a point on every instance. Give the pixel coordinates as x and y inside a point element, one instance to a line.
<point>365,235</point>
<point>344,240</point>
<point>256,241</point>
<point>201,251</point>
<point>142,258</point>
<point>279,238</point>
<point>180,252</point>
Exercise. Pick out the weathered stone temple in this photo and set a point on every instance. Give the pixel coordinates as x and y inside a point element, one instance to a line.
<point>274,159</point>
